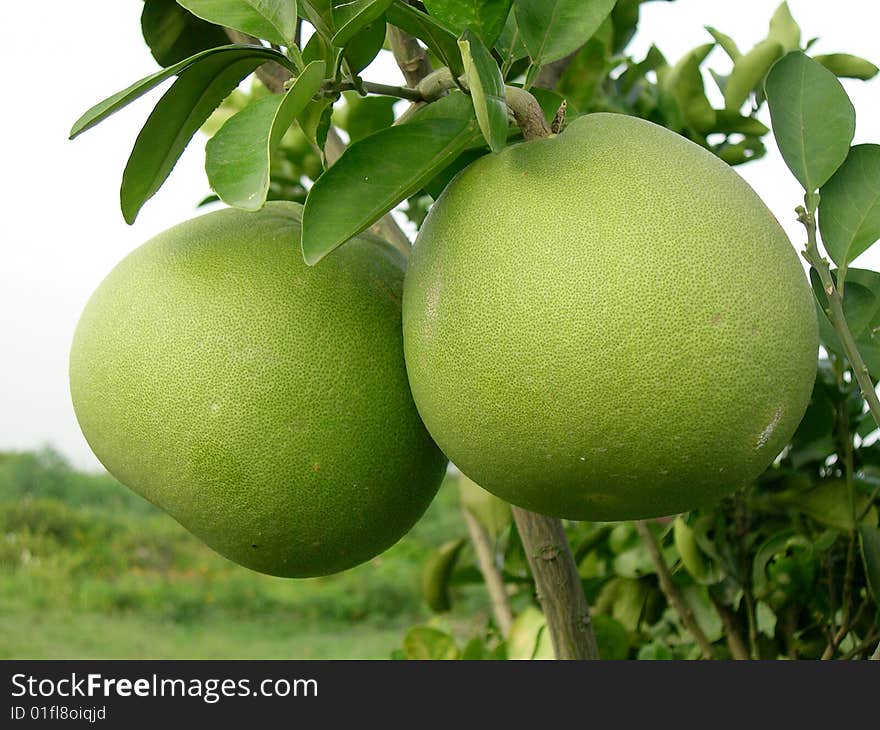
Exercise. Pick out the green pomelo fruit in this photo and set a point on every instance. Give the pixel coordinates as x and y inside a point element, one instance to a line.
<point>608,324</point>
<point>262,403</point>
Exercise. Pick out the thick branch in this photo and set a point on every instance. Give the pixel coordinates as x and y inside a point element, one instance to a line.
<point>671,591</point>
<point>527,112</point>
<point>491,574</point>
<point>558,585</point>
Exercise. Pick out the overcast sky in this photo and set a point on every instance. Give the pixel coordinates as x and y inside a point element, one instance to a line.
<point>61,230</point>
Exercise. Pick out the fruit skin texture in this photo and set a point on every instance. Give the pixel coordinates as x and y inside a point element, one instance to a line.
<point>608,324</point>
<point>262,403</point>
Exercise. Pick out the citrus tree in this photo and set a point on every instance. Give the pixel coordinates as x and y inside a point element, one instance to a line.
<point>599,322</point>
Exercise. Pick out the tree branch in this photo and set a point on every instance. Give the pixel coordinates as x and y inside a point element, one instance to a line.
<point>558,585</point>
<point>550,74</point>
<point>738,648</point>
<point>491,574</point>
<point>670,590</point>
<point>528,113</point>
<point>411,58</point>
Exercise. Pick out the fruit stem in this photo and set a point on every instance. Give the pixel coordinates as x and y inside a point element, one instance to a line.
<point>834,310</point>
<point>670,590</point>
<point>558,585</point>
<point>528,113</point>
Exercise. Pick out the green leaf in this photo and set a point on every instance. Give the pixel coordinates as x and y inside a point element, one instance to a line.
<point>509,43</point>
<point>726,42</point>
<point>238,158</point>
<point>849,211</point>
<point>363,115</point>
<point>749,71</point>
<point>375,174</point>
<point>491,512</point>
<point>214,57</point>
<point>551,29</point>
<point>197,92</point>
<point>688,549</point>
<point>827,503</point>
<point>869,542</point>
<point>485,17</point>
<point>423,642</point>
<point>173,34</point>
<point>424,27</point>
<point>732,122</point>
<point>271,20</point>
<point>436,574</point>
<point>365,45</point>
<point>686,86</point>
<point>845,65</point>
<point>528,638</point>
<point>487,89</point>
<point>784,29</point>
<point>813,118</point>
<point>349,16</point>
<point>612,638</point>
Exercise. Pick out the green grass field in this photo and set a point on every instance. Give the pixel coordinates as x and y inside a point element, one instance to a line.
<point>90,570</point>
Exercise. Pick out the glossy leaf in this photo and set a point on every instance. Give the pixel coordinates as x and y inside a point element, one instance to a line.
<point>238,158</point>
<point>726,42</point>
<point>845,65</point>
<point>271,20</point>
<point>486,18</point>
<point>748,73</point>
<point>813,118</point>
<point>784,29</point>
<point>849,212</point>
<point>869,542</point>
<point>173,34</point>
<point>197,92</point>
<point>487,89</point>
<point>350,16</point>
<point>551,29</point>
<point>373,176</point>
<point>424,27</point>
<point>436,573</point>
<point>216,58</point>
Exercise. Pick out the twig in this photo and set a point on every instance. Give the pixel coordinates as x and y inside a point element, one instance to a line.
<point>864,645</point>
<point>671,591</point>
<point>558,585</point>
<point>807,216</point>
<point>491,574</point>
<point>738,648</point>
<point>876,655</point>
<point>846,623</point>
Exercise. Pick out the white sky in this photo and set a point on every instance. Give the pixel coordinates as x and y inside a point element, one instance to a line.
<point>61,230</point>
